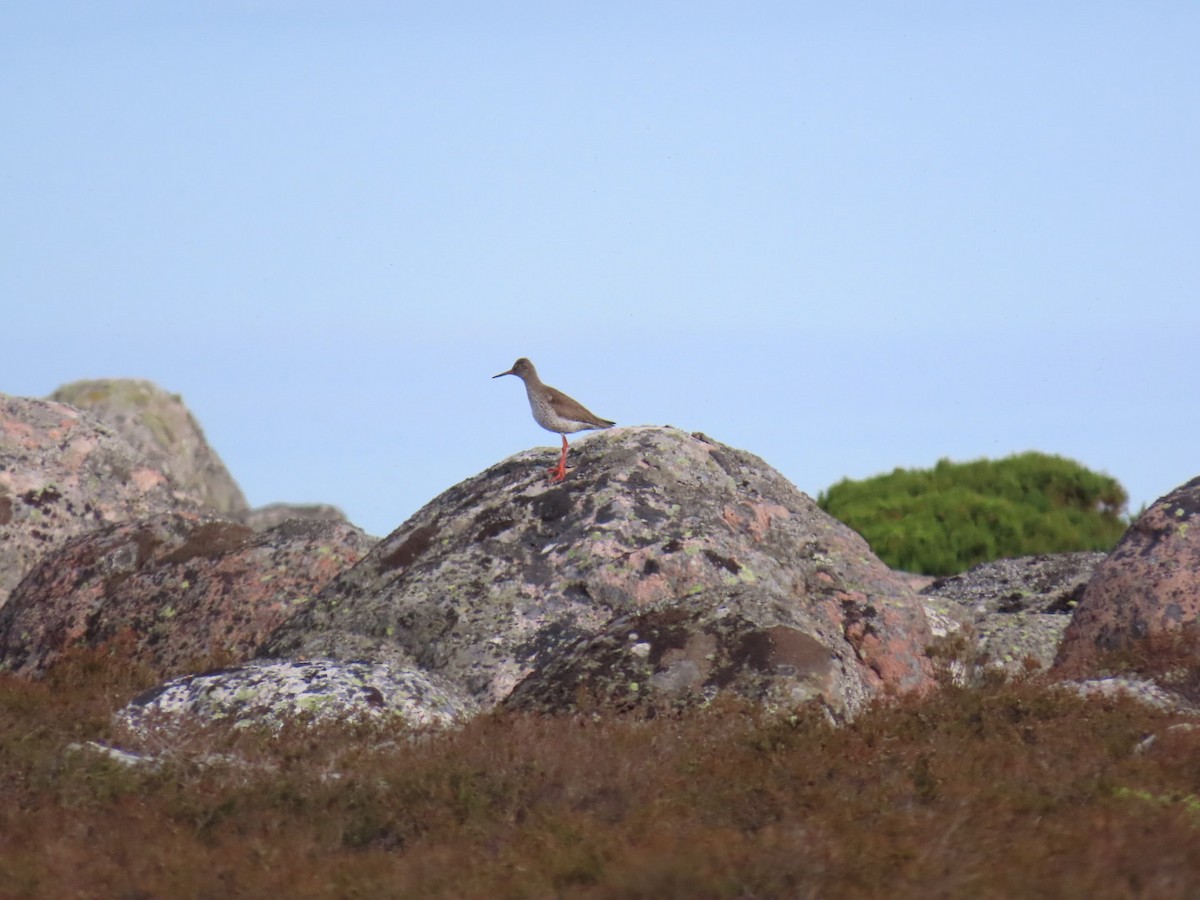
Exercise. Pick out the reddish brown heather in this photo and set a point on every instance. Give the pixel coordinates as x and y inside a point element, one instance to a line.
<point>1010,790</point>
<point>187,589</point>
<point>1148,587</point>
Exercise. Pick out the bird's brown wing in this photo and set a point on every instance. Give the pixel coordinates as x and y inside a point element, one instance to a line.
<point>572,409</point>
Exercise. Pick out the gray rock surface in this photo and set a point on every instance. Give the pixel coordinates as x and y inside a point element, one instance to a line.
<point>502,573</point>
<point>1016,608</point>
<point>738,639</point>
<point>62,473</point>
<point>270,693</point>
<point>163,432</point>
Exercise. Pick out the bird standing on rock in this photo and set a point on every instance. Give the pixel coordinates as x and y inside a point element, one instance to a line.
<point>555,411</point>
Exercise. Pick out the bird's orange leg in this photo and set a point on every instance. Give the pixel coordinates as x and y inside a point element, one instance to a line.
<point>559,472</point>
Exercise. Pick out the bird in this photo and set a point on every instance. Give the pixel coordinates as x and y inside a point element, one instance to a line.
<point>555,411</point>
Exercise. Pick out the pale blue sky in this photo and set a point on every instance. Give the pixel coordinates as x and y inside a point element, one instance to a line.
<point>845,237</point>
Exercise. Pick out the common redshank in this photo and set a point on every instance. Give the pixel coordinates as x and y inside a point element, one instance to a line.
<point>555,411</point>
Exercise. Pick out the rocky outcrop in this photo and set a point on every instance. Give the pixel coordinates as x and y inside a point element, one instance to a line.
<point>1017,609</point>
<point>163,433</point>
<point>1147,588</point>
<point>62,473</point>
<point>270,693</point>
<point>263,518</point>
<point>741,640</point>
<point>1014,609</point>
<point>501,575</point>
<point>180,588</point>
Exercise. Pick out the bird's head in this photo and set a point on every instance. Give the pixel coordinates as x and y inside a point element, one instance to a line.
<point>521,368</point>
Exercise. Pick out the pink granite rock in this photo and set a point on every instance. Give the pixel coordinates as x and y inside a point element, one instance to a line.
<point>502,574</point>
<point>164,433</point>
<point>187,589</point>
<point>1149,586</point>
<point>62,473</point>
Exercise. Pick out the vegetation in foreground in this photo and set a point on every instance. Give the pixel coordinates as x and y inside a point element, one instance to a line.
<point>1008,789</point>
<point>944,520</point>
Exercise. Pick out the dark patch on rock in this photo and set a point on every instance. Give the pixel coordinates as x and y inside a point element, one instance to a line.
<point>553,505</point>
<point>147,697</point>
<point>1066,601</point>
<point>1011,604</point>
<point>42,499</point>
<point>856,613</point>
<point>578,590</point>
<point>724,562</point>
<point>112,584</point>
<point>638,481</point>
<point>409,549</point>
<point>373,695</point>
<point>726,466</point>
<point>664,629</point>
<point>546,643</point>
<point>210,540</point>
<point>493,528</point>
<point>605,514</point>
<point>651,567</point>
<point>649,514</point>
<point>145,541</point>
<point>782,650</point>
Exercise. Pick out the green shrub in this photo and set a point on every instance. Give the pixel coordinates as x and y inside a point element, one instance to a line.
<point>946,519</point>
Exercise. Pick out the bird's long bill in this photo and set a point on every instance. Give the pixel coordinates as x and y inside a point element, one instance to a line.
<point>509,372</point>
